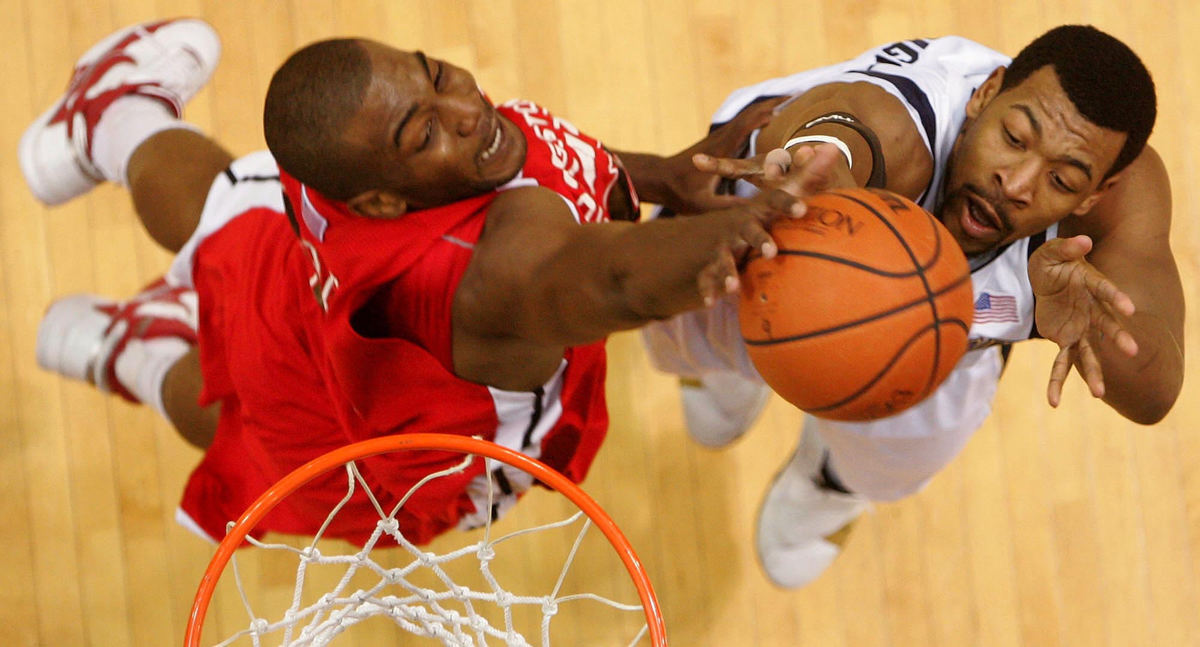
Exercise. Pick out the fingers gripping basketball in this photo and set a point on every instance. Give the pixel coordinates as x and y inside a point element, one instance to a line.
<point>865,309</point>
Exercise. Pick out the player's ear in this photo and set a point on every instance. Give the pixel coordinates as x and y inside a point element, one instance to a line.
<point>1092,199</point>
<point>377,203</point>
<point>984,94</point>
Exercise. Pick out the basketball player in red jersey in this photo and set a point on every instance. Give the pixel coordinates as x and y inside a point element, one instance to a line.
<point>439,264</point>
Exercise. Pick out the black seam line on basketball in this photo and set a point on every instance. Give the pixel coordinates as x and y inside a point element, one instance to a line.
<point>929,297</point>
<point>956,322</point>
<point>850,324</point>
<point>936,326</point>
<point>937,254</point>
<point>849,263</point>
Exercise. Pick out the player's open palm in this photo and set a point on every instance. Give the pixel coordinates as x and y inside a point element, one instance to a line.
<point>1077,305</point>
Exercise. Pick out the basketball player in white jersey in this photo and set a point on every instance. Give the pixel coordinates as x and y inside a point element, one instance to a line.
<point>1038,167</point>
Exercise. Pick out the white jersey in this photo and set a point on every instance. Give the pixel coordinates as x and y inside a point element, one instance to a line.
<point>889,458</point>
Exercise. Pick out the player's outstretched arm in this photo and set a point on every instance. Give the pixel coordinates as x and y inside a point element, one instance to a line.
<point>675,183</point>
<point>1130,233</point>
<point>868,126</point>
<point>539,282</point>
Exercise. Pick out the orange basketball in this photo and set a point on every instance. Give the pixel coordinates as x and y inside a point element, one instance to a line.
<point>864,311</point>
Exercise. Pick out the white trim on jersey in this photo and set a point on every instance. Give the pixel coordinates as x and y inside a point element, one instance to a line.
<point>516,411</point>
<point>251,182</point>
<point>316,223</point>
<point>184,519</point>
<point>518,182</point>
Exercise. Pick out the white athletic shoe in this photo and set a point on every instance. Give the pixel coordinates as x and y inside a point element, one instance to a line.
<point>81,336</point>
<point>802,524</point>
<point>719,407</point>
<point>168,60</point>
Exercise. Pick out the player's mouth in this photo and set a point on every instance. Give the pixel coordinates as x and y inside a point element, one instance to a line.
<point>980,218</point>
<point>495,143</point>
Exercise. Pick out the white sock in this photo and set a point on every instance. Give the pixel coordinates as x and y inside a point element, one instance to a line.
<point>125,125</point>
<point>142,368</point>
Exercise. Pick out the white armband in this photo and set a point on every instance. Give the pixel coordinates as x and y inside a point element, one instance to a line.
<point>824,139</point>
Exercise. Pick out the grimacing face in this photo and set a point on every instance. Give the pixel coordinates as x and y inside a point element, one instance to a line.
<point>428,133</point>
<point>1025,159</point>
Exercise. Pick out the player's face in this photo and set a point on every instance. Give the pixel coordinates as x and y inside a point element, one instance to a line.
<point>429,132</point>
<point>1025,159</point>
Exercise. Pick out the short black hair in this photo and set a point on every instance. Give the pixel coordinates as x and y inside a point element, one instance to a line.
<point>1102,77</point>
<point>310,99</point>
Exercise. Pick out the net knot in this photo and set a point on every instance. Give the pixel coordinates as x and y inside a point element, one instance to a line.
<point>478,623</point>
<point>549,607</point>
<point>259,626</point>
<point>486,553</point>
<point>390,526</point>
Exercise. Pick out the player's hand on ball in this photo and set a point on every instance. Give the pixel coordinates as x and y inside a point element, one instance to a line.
<point>745,234</point>
<point>1076,306</point>
<point>809,172</point>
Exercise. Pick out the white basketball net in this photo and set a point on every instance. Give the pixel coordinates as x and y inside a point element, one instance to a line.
<point>420,610</point>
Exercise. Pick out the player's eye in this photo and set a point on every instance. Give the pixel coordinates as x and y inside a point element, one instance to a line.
<point>1061,184</point>
<point>1010,138</point>
<point>426,136</point>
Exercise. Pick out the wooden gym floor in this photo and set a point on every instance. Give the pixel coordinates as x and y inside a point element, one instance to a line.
<point>1055,527</point>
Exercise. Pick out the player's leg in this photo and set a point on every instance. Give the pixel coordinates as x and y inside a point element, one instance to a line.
<point>180,393</point>
<point>720,407</point>
<point>839,466</point>
<point>806,515</point>
<point>169,176</point>
<point>143,350</point>
<point>119,121</point>
<point>721,392</point>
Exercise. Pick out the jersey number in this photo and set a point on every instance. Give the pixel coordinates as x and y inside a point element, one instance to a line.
<point>902,53</point>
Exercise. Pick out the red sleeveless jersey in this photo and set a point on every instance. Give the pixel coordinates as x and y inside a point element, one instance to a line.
<point>281,351</point>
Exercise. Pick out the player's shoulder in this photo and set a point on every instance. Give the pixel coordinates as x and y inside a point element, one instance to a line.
<point>528,205</point>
